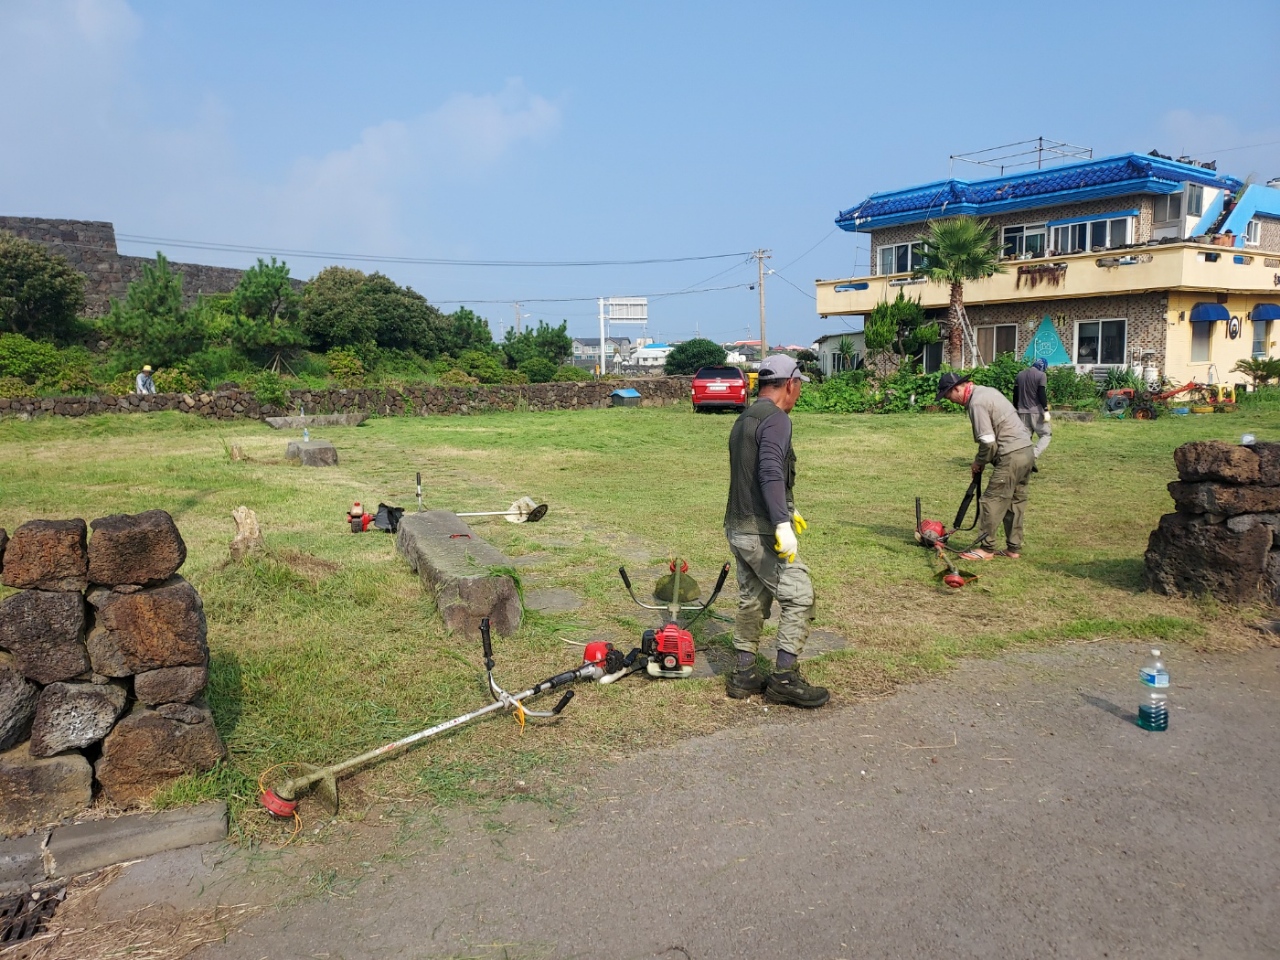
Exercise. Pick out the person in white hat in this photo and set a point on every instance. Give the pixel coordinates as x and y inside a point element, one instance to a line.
<point>144,383</point>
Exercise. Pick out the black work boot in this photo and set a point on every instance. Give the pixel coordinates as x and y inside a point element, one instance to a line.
<point>790,688</point>
<point>741,684</point>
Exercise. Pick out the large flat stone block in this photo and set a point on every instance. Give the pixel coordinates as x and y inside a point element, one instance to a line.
<point>147,749</point>
<point>312,453</point>
<point>1216,460</point>
<point>1224,498</point>
<point>317,420</point>
<point>459,569</point>
<point>147,630</point>
<point>35,791</point>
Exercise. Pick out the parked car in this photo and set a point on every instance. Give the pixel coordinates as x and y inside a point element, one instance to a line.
<point>719,388</point>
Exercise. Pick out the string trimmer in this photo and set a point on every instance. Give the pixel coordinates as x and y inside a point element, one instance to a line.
<point>282,800</point>
<point>667,651</point>
<point>524,510</point>
<point>933,534</point>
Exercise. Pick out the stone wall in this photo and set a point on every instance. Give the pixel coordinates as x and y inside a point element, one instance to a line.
<point>234,403</point>
<point>103,662</point>
<point>1224,539</point>
<point>90,247</point>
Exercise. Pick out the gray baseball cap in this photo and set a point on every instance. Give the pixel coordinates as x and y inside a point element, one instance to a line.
<point>781,367</point>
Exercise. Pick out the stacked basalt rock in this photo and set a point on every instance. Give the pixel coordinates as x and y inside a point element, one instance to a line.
<point>1224,538</point>
<point>103,662</point>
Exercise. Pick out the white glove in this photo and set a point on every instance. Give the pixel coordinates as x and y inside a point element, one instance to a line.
<point>1047,416</point>
<point>784,542</point>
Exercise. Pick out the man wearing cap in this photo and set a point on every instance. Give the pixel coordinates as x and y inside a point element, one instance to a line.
<point>1004,443</point>
<point>143,383</point>
<point>761,524</point>
<point>1032,403</point>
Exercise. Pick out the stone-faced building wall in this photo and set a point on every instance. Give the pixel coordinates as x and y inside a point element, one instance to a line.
<point>90,247</point>
<point>1146,314</point>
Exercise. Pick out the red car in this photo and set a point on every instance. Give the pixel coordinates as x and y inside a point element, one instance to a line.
<point>719,388</point>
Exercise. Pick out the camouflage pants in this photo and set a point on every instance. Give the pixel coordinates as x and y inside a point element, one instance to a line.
<point>763,577</point>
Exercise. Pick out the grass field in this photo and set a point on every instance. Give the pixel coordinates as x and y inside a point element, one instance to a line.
<point>328,647</point>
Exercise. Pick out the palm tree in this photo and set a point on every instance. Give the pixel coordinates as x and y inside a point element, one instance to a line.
<point>1261,370</point>
<point>956,250</point>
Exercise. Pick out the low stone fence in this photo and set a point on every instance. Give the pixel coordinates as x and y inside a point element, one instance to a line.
<point>235,403</point>
<point>103,662</point>
<point>1224,538</point>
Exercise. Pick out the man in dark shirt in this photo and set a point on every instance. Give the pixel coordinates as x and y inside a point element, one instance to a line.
<point>761,524</point>
<point>1032,403</point>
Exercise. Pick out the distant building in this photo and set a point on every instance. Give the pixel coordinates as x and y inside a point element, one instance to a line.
<point>830,358</point>
<point>650,356</point>
<point>586,352</point>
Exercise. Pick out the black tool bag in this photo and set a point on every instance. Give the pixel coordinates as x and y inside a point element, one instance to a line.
<point>388,518</point>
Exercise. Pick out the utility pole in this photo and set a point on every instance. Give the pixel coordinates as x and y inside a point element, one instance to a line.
<point>761,256</point>
<point>517,306</point>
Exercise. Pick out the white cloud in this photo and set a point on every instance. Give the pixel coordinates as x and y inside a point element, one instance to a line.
<point>84,140</point>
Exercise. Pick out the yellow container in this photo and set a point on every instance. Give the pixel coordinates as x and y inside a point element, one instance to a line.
<point>752,377</point>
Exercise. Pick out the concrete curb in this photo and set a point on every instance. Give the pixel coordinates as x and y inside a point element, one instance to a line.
<point>65,851</point>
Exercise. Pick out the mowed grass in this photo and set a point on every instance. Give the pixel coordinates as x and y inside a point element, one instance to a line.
<point>328,645</point>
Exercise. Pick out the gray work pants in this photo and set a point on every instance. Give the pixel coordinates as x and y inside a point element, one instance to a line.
<point>1037,423</point>
<point>1005,499</point>
<point>763,576</point>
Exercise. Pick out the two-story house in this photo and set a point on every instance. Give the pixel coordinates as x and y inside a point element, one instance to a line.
<point>1134,260</point>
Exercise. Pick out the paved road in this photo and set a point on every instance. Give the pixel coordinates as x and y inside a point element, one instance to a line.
<point>1012,809</point>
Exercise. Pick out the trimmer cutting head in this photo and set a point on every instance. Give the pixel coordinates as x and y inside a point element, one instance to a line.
<point>317,782</point>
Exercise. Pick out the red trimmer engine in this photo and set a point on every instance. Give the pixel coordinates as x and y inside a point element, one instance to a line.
<point>670,651</point>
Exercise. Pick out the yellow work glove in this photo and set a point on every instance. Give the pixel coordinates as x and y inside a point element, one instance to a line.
<point>784,542</point>
<point>798,522</point>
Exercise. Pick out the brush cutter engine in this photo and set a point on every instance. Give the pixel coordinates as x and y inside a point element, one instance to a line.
<point>670,651</point>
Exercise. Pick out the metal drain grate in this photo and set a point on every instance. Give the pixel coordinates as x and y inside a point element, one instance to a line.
<point>23,916</point>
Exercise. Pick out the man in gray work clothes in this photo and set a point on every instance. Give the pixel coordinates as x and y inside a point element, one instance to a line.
<point>1032,403</point>
<point>761,523</point>
<point>1004,443</point>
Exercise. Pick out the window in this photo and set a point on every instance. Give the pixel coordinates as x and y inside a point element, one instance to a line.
<point>1261,338</point>
<point>1195,200</point>
<point>1201,338</point>
<point>1100,342</point>
<point>993,341</point>
<point>1253,233</point>
<point>1024,240</point>
<point>1094,234</point>
<point>900,257</point>
<point>931,358</point>
<point>1168,208</point>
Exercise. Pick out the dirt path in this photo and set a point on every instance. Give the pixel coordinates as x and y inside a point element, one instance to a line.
<point>1012,809</point>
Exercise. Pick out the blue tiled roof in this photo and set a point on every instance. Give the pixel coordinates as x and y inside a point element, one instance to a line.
<point>1109,177</point>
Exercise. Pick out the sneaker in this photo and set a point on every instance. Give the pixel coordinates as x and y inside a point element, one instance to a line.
<point>1035,468</point>
<point>741,684</point>
<point>790,688</point>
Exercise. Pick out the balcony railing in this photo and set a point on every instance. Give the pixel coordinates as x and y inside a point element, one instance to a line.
<point>1176,266</point>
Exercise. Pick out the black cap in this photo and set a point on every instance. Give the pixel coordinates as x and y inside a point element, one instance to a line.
<point>948,382</point>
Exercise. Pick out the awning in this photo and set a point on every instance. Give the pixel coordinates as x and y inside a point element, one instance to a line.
<point>1209,312</point>
<point>1266,311</point>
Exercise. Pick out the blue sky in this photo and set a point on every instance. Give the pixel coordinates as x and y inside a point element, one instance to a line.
<point>568,132</point>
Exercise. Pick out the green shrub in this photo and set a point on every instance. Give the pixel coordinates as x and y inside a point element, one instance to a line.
<point>74,373</point>
<point>1001,373</point>
<point>268,389</point>
<point>568,373</point>
<point>538,369</point>
<point>28,360</point>
<point>457,378</point>
<point>122,384</point>
<point>1065,385</point>
<point>175,380</point>
<point>345,366</point>
<point>486,367</point>
<point>13,387</point>
<point>1268,397</point>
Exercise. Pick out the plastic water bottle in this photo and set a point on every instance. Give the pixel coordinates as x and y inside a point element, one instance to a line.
<point>306,435</point>
<point>1153,711</point>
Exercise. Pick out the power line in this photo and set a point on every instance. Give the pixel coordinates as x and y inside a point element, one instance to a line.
<point>651,296</point>
<point>790,284</point>
<point>428,261</point>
